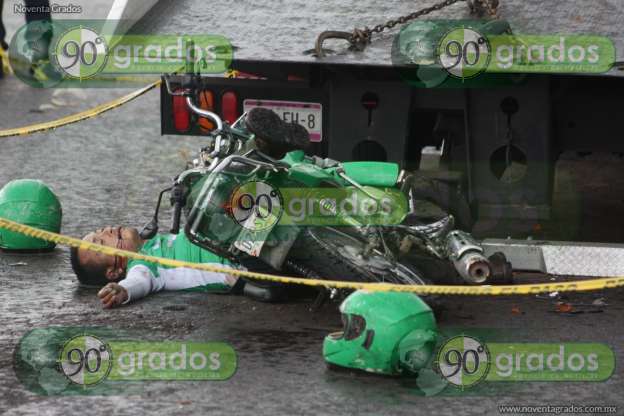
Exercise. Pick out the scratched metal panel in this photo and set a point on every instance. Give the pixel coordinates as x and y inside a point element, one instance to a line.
<point>561,258</point>
<point>280,30</point>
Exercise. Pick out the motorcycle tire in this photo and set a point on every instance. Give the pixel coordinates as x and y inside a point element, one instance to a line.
<point>262,290</point>
<point>334,255</point>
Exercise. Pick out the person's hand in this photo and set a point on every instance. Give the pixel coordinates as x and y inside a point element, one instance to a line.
<point>112,295</point>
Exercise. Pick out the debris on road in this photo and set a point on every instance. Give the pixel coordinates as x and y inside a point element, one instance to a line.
<point>516,311</point>
<point>563,307</point>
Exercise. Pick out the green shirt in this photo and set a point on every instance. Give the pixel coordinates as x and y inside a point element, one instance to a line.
<point>144,277</point>
<point>175,247</point>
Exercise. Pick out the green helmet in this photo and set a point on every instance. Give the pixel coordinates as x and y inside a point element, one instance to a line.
<point>29,202</point>
<point>384,332</point>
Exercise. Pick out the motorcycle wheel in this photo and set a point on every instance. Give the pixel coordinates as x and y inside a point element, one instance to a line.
<point>335,255</point>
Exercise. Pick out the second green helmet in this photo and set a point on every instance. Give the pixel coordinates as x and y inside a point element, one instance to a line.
<point>384,332</point>
<point>30,202</point>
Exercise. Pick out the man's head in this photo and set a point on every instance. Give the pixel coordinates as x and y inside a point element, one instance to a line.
<point>93,268</point>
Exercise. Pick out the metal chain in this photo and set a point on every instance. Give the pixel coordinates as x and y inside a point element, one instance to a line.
<point>362,37</point>
<point>359,38</point>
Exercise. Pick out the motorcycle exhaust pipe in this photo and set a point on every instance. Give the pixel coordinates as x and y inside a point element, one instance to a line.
<point>467,257</point>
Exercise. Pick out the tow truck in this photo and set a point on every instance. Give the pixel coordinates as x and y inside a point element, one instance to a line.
<point>357,105</point>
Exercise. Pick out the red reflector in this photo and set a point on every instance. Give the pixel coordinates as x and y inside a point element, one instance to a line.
<point>229,107</point>
<point>181,114</point>
<point>370,101</point>
<point>295,78</point>
<point>206,102</point>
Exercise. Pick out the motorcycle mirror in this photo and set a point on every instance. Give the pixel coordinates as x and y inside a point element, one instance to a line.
<point>150,230</point>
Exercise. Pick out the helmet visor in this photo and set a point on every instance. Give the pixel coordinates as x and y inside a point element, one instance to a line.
<point>352,327</point>
<point>355,327</point>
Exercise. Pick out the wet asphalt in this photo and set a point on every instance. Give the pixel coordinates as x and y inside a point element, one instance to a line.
<point>107,171</point>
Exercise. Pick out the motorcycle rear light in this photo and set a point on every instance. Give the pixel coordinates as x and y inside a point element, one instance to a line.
<point>206,102</point>
<point>229,107</point>
<point>181,114</point>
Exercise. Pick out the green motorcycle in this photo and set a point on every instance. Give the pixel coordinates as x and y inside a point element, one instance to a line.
<point>242,198</point>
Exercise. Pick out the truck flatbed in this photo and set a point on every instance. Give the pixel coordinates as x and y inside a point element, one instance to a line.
<point>268,30</point>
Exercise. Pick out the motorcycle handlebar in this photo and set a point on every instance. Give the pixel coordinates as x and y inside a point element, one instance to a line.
<point>205,113</point>
<point>178,198</point>
<point>187,92</point>
<point>177,212</point>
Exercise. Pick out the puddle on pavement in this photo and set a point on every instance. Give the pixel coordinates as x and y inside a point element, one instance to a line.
<point>268,341</point>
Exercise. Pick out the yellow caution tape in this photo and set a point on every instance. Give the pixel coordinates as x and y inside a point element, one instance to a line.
<point>524,289</point>
<point>84,115</point>
<point>231,73</point>
<point>6,67</point>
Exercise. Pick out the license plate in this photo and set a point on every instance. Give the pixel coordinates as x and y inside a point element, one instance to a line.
<point>251,247</point>
<point>309,115</point>
<point>251,242</point>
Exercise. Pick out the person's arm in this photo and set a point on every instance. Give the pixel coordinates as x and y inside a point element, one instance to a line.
<point>181,278</point>
<point>140,281</point>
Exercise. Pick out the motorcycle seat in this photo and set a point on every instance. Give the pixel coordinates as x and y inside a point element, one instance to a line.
<point>372,173</point>
<point>281,137</point>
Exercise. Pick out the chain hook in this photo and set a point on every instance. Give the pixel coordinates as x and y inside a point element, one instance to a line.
<point>330,34</point>
<point>481,7</point>
<point>360,38</point>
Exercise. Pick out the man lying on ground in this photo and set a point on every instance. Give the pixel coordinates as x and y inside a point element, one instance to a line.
<point>128,280</point>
